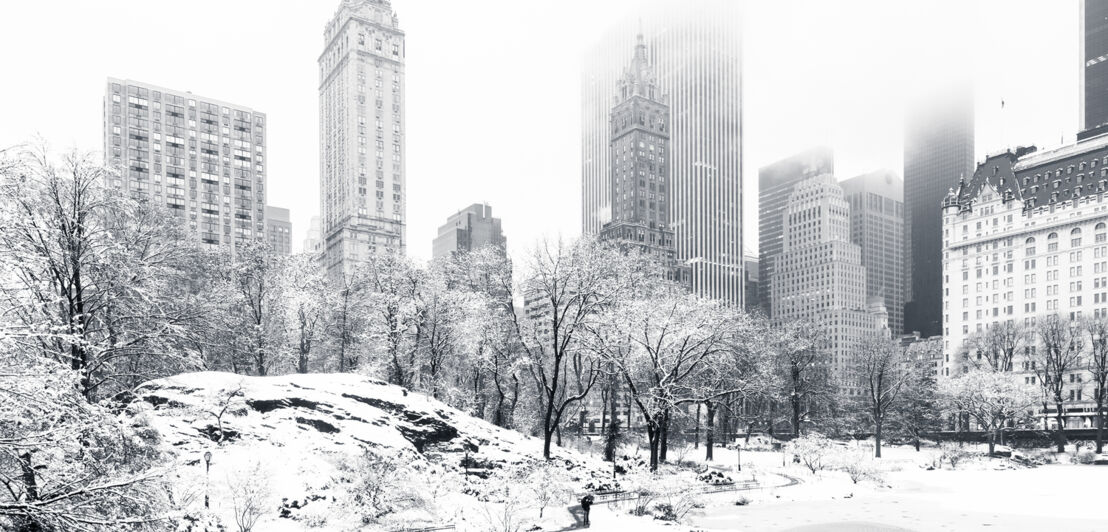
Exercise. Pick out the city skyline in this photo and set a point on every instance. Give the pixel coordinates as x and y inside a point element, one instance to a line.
<point>286,87</point>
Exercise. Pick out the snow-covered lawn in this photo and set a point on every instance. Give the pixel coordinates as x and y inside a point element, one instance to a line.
<point>982,494</point>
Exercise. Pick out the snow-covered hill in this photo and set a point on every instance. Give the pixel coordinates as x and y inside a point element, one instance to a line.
<point>301,440</point>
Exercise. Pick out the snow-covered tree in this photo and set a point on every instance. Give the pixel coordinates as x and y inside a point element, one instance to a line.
<point>991,399</point>
<point>919,410</point>
<point>1062,342</point>
<point>65,463</point>
<point>396,311</point>
<point>102,276</point>
<point>347,322</point>
<point>671,349</point>
<point>1097,365</point>
<point>304,303</point>
<point>885,373</point>
<point>802,372</point>
<point>567,286</point>
<point>255,276</point>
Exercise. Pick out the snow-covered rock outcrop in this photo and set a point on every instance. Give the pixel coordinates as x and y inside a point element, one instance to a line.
<point>298,434</point>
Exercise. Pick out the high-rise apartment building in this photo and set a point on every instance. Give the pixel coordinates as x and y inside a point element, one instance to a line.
<point>696,57</point>
<point>1094,63</point>
<point>938,151</point>
<point>467,230</point>
<point>361,134</point>
<point>278,230</point>
<point>775,185</point>
<point>877,226</point>
<point>638,150</point>
<point>819,278</point>
<point>1024,237</point>
<point>201,157</point>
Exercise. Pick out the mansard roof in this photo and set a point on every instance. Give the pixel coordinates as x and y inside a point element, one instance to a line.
<point>1037,178</point>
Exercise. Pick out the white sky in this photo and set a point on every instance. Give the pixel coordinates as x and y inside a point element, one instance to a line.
<point>492,86</point>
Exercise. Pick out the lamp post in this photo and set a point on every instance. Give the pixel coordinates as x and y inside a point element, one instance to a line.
<point>207,475</point>
<point>739,453</point>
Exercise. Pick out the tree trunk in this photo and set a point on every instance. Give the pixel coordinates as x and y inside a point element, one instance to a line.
<point>652,436</point>
<point>916,441</point>
<point>612,440</point>
<point>664,445</point>
<point>992,441</point>
<point>1060,436</point>
<point>709,431</point>
<point>795,399</point>
<point>877,439</point>
<point>1100,425</point>
<point>696,433</point>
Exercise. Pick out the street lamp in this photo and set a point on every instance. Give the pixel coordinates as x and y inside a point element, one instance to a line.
<point>739,452</point>
<point>207,475</point>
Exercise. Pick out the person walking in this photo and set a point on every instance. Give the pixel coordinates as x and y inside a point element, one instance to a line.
<point>586,503</point>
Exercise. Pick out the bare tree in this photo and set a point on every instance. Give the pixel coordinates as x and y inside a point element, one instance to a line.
<point>884,372</point>
<point>998,345</point>
<point>919,410</point>
<point>567,286</point>
<point>671,349</point>
<point>794,345</point>
<point>1097,365</point>
<point>1061,341</point>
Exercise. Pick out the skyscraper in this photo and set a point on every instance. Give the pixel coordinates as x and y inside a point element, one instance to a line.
<point>361,134</point>
<point>775,185</point>
<point>696,55</point>
<point>938,151</point>
<point>469,229</point>
<point>203,158</point>
<point>819,278</point>
<point>639,146</point>
<point>1094,63</point>
<point>278,230</point>
<point>877,226</point>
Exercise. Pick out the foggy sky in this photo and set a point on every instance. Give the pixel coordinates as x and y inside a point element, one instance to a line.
<point>492,96</point>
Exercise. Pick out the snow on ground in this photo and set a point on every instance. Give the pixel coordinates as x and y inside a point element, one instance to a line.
<point>983,494</point>
<point>297,437</point>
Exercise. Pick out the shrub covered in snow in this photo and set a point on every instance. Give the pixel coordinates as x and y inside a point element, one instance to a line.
<point>858,465</point>
<point>813,450</point>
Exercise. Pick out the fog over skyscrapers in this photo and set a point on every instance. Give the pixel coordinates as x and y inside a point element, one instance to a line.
<point>877,226</point>
<point>775,185</point>
<point>696,56</point>
<point>938,151</point>
<point>361,123</point>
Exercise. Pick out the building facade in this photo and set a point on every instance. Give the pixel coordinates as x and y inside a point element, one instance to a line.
<point>752,300</point>
<point>938,149</point>
<point>1094,63</point>
<point>278,230</point>
<point>877,226</point>
<point>638,149</point>
<point>361,134</point>
<point>467,230</point>
<point>696,56</point>
<point>819,278</point>
<point>775,185</point>
<point>202,158</point>
<point>1026,236</point>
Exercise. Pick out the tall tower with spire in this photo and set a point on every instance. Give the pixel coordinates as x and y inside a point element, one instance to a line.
<point>695,56</point>
<point>361,135</point>
<point>639,146</point>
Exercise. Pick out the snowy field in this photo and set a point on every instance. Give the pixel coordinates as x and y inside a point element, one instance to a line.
<point>977,496</point>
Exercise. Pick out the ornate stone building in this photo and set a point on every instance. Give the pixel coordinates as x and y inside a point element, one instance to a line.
<point>361,134</point>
